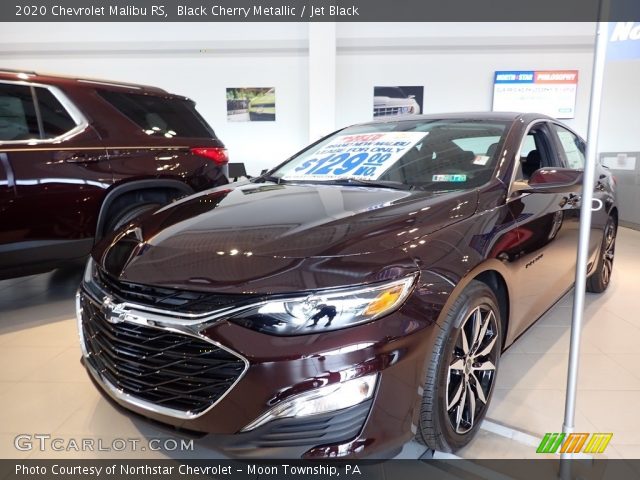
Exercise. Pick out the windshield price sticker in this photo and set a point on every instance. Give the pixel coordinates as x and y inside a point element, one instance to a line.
<point>362,157</point>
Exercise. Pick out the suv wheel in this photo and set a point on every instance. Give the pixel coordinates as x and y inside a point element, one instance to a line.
<point>462,371</point>
<point>128,214</point>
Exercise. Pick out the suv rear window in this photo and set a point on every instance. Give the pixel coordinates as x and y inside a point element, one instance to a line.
<point>168,117</point>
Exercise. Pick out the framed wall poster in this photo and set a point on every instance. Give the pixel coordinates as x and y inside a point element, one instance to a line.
<point>397,100</point>
<point>251,104</point>
<point>552,92</point>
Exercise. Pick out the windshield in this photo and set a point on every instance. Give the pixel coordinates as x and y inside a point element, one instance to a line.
<point>427,154</point>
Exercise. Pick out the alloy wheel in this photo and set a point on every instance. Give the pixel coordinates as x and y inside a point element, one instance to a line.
<point>472,369</point>
<point>609,252</point>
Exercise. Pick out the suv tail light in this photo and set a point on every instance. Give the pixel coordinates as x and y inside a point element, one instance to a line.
<point>217,154</point>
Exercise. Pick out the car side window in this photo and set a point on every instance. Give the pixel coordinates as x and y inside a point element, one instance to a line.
<point>18,119</point>
<point>536,152</point>
<point>56,120</point>
<point>572,146</point>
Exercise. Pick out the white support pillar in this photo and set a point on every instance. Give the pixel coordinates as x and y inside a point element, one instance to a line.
<point>322,79</point>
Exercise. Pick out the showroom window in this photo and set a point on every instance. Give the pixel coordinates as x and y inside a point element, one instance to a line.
<point>160,116</point>
<point>18,120</point>
<point>572,146</point>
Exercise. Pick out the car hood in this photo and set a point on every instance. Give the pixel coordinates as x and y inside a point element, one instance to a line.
<point>259,230</point>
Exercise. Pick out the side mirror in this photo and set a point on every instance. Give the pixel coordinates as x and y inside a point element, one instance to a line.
<point>551,180</point>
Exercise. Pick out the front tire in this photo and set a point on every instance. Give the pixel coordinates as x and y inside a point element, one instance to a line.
<point>462,371</point>
<point>601,277</point>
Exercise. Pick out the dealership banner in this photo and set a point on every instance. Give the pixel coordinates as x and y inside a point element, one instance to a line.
<point>624,41</point>
<point>314,10</point>
<point>552,92</point>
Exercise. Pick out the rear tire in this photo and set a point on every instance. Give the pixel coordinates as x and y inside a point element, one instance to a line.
<point>462,370</point>
<point>601,277</point>
<point>128,214</point>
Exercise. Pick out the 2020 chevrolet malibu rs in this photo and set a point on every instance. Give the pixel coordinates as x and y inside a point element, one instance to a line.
<point>354,297</point>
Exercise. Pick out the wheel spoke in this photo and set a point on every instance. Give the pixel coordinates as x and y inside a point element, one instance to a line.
<point>479,389</point>
<point>610,239</point>
<point>461,404</point>
<point>477,327</point>
<point>484,366</point>
<point>487,350</point>
<point>482,332</point>
<point>457,365</point>
<point>465,343</point>
<point>472,405</point>
<point>456,396</point>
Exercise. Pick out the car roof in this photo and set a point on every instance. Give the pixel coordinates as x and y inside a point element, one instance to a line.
<point>74,82</point>
<point>489,116</point>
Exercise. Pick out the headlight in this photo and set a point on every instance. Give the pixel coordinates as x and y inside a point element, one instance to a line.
<point>324,311</point>
<point>322,400</point>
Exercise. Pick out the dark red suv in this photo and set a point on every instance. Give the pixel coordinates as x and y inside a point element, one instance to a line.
<point>80,157</point>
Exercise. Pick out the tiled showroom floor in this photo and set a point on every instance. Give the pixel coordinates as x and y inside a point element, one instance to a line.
<point>43,388</point>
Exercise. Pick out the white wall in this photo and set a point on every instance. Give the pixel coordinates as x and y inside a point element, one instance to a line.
<point>619,124</point>
<point>197,60</point>
<point>455,62</point>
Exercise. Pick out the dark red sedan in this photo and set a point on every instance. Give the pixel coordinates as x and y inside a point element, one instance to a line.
<point>354,297</point>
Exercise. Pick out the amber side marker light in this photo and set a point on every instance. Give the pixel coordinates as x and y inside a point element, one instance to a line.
<point>385,301</point>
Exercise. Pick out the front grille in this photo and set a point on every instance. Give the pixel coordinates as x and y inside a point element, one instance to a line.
<point>166,368</point>
<point>180,301</point>
<point>383,111</point>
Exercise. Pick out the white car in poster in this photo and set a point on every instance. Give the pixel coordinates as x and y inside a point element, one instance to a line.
<point>390,101</point>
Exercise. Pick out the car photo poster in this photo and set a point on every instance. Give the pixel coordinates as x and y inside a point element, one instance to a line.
<point>552,92</point>
<point>397,100</point>
<point>251,104</point>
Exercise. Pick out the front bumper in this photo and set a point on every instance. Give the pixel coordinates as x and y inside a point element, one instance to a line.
<point>276,368</point>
